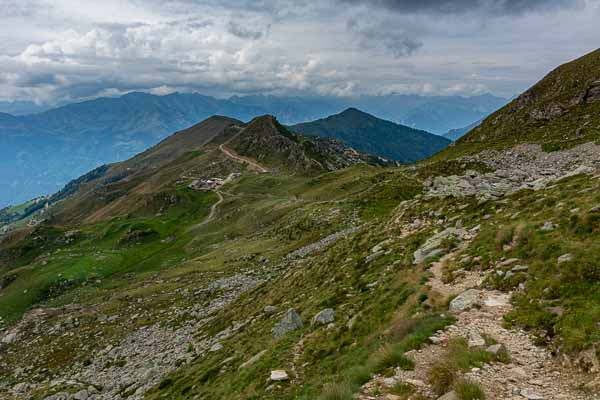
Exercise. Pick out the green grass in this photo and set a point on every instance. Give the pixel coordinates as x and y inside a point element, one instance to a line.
<point>466,390</point>
<point>50,267</point>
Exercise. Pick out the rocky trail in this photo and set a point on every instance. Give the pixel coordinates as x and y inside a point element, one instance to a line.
<point>532,372</point>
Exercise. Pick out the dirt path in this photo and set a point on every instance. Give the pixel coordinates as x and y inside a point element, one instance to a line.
<point>211,215</point>
<point>251,164</point>
<point>533,373</point>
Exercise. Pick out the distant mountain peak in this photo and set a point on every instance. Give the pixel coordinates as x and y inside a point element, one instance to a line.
<point>373,135</point>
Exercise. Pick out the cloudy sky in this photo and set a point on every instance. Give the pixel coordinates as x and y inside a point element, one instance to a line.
<point>61,50</point>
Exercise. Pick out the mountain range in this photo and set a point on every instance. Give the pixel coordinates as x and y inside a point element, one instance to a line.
<point>243,260</point>
<point>39,153</point>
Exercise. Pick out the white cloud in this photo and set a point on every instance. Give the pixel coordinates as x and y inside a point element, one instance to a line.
<point>55,50</point>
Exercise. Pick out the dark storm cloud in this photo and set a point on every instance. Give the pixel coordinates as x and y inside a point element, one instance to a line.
<point>493,7</point>
<point>243,32</point>
<point>398,42</point>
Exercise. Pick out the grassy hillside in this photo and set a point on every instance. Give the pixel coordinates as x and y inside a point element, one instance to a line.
<point>560,111</point>
<point>376,136</point>
<point>317,276</point>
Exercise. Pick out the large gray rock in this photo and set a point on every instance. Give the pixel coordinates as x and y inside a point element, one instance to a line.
<point>465,301</point>
<point>324,317</point>
<point>289,322</point>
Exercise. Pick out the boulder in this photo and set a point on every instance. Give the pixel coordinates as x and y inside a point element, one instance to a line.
<point>324,317</point>
<point>465,301</point>
<point>289,322</point>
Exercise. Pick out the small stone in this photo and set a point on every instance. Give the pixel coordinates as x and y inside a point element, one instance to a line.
<point>475,339</point>
<point>279,375</point>
<point>415,382</point>
<point>520,268</point>
<point>81,395</point>
<point>548,226</point>
<point>10,338</point>
<point>509,262</point>
<point>449,396</point>
<point>252,360</point>
<point>529,394</point>
<point>565,258</point>
<point>434,340</point>
<point>20,387</point>
<point>270,309</point>
<point>509,275</point>
<point>324,317</point>
<point>216,347</point>
<point>495,349</point>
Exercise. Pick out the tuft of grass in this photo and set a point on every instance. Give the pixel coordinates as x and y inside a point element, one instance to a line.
<point>442,377</point>
<point>391,355</point>
<point>358,375</point>
<point>337,391</point>
<point>466,390</point>
<point>403,390</point>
